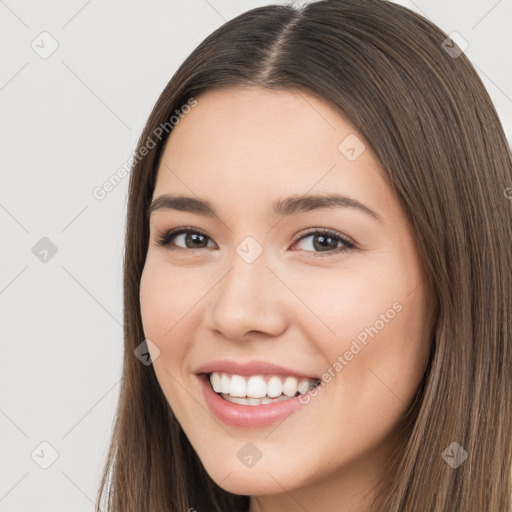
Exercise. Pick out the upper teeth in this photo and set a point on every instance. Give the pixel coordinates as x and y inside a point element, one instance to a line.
<point>259,386</point>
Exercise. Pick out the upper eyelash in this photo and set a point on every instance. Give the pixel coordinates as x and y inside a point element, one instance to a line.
<point>164,239</point>
<point>348,245</point>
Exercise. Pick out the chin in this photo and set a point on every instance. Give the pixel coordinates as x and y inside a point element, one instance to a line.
<point>260,479</point>
<point>252,484</point>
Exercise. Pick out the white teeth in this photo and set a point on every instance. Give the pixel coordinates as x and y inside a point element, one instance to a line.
<point>256,387</point>
<point>237,386</point>
<point>290,386</point>
<point>274,387</point>
<point>256,390</point>
<point>253,401</point>
<point>303,386</point>
<point>216,382</point>
<point>224,383</point>
<point>243,401</point>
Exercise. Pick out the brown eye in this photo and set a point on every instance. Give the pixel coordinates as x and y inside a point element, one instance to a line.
<point>184,239</point>
<point>324,242</point>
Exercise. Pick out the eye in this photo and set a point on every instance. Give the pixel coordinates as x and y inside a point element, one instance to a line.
<point>184,239</point>
<point>318,241</point>
<point>324,242</point>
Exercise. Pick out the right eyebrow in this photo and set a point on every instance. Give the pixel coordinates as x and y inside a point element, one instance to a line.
<point>283,207</point>
<point>183,204</point>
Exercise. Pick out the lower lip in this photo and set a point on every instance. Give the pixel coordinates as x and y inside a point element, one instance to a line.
<point>247,416</point>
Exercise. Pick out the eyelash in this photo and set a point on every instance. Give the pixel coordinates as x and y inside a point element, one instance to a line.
<point>165,239</point>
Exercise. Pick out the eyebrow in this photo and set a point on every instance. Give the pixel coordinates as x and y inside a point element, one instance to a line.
<point>282,207</point>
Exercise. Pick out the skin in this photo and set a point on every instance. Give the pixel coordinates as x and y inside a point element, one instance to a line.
<point>241,149</point>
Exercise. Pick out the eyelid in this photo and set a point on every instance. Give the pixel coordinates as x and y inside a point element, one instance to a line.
<point>324,231</point>
<point>164,238</point>
<point>348,244</point>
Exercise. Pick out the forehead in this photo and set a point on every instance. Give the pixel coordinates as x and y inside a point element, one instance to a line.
<point>254,145</point>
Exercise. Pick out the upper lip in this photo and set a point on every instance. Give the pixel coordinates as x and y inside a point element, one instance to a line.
<point>249,368</point>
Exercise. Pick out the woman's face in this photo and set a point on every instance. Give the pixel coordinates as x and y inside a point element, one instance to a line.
<point>270,287</point>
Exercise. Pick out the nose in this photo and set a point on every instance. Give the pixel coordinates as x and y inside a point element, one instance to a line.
<point>248,299</point>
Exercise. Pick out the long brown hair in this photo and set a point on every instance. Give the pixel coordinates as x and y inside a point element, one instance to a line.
<point>423,109</point>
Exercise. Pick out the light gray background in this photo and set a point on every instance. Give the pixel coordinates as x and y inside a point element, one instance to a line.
<point>69,122</point>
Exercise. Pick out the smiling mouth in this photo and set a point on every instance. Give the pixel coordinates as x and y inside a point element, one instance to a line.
<point>258,389</point>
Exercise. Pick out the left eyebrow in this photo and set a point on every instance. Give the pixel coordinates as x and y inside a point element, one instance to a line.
<point>295,205</point>
<point>282,207</point>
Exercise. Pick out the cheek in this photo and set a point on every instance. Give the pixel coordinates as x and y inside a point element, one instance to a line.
<point>370,329</point>
<point>375,360</point>
<point>166,296</point>
<point>165,303</point>
<point>153,300</point>
<point>343,303</point>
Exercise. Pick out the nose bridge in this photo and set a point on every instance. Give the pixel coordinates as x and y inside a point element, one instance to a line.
<point>247,298</point>
<point>248,280</point>
<point>249,273</point>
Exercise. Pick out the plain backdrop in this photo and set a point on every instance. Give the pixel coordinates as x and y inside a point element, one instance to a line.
<point>70,119</point>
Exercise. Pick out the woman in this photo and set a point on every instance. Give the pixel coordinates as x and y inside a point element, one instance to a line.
<point>374,377</point>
